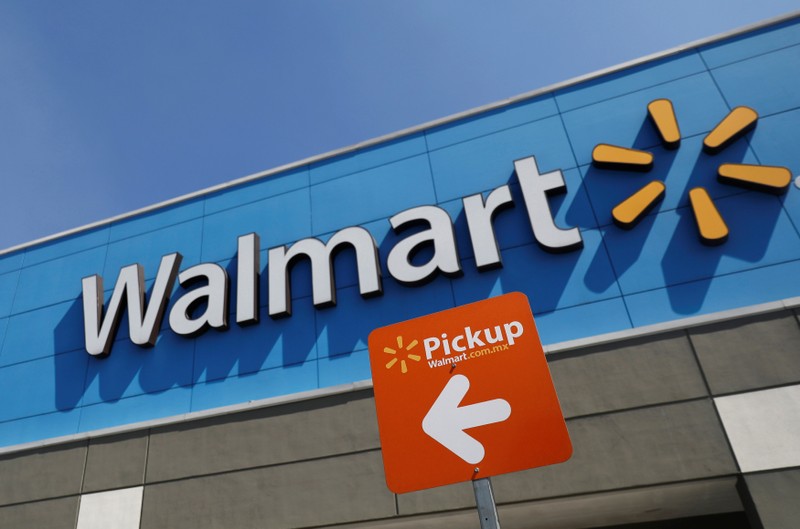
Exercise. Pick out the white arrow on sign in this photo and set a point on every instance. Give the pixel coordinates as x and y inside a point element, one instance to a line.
<point>446,421</point>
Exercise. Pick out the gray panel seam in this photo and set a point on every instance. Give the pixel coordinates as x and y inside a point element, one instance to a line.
<point>83,481</point>
<point>43,500</point>
<point>638,487</point>
<point>771,471</point>
<point>713,402</point>
<point>264,466</point>
<point>648,406</point>
<point>721,478</point>
<point>757,389</point>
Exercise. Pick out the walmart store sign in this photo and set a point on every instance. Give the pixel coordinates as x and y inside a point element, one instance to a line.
<point>205,303</point>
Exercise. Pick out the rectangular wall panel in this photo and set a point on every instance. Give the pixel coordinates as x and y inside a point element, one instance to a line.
<point>763,427</point>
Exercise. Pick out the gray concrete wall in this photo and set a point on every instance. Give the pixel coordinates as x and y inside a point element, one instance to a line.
<point>648,442</point>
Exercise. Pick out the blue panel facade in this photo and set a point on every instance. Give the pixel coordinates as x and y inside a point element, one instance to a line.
<point>657,272</point>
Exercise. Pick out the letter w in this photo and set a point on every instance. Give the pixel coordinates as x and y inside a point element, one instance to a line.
<point>144,321</point>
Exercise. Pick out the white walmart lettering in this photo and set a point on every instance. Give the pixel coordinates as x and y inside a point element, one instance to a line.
<point>145,317</point>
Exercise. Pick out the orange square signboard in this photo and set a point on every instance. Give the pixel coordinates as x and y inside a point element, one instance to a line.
<point>465,394</point>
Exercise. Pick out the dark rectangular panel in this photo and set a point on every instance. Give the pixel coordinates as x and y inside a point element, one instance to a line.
<point>774,496</point>
<point>312,493</point>
<point>50,514</point>
<point>627,374</point>
<point>293,432</point>
<point>749,353</point>
<point>43,473</point>
<point>647,446</point>
<point>115,462</point>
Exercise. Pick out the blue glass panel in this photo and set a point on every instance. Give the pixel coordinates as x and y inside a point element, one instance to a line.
<point>11,261</point>
<point>278,220</point>
<point>148,249</point>
<point>731,291</point>
<point>3,327</point>
<point>346,327</point>
<point>264,345</point>
<point>43,332</point>
<point>43,386</point>
<point>629,80</point>
<point>39,427</point>
<point>491,122</point>
<point>155,220</point>
<point>665,249</point>
<point>344,369</point>
<point>136,409</point>
<point>775,143</point>
<point>624,121</point>
<point>549,280</point>
<point>8,287</point>
<point>255,386</point>
<point>774,140</point>
<point>266,187</point>
<point>767,83</point>
<point>582,321</point>
<point>66,245</point>
<point>132,370</point>
<point>362,159</point>
<point>57,280</point>
<point>487,162</point>
<point>371,194</point>
<point>751,44</point>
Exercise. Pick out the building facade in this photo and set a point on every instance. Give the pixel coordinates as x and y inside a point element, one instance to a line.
<point>203,363</point>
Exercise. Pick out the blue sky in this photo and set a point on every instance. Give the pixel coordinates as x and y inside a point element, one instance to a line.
<point>109,106</point>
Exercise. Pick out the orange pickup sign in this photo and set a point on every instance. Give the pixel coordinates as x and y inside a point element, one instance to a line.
<point>465,394</point>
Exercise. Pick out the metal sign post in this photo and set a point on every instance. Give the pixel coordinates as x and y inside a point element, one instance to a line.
<point>484,499</point>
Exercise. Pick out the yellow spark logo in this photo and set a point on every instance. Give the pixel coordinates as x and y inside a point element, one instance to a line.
<point>409,356</point>
<point>711,226</point>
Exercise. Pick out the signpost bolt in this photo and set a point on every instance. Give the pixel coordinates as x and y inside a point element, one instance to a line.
<point>477,469</point>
